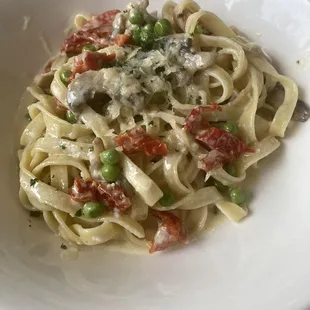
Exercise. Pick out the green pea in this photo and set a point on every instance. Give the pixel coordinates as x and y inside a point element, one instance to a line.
<point>231,127</point>
<point>167,200</point>
<point>220,186</point>
<point>237,195</point>
<point>65,76</point>
<point>110,157</point>
<point>148,28</point>
<point>111,172</point>
<point>89,48</point>
<point>70,117</point>
<point>136,17</point>
<point>230,169</point>
<point>163,27</point>
<point>147,39</point>
<point>92,209</point>
<point>136,32</point>
<point>198,29</point>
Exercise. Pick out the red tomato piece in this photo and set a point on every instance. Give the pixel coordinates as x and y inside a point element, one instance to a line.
<point>114,196</point>
<point>195,121</point>
<point>84,190</point>
<point>223,146</point>
<point>122,39</point>
<point>218,139</point>
<point>213,160</point>
<point>137,140</point>
<point>106,18</point>
<point>110,194</point>
<point>90,61</point>
<point>96,31</point>
<point>170,230</point>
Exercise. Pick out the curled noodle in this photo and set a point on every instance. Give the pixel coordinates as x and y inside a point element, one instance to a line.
<point>234,76</point>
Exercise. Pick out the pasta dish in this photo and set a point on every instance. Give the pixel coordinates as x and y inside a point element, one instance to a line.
<point>142,127</point>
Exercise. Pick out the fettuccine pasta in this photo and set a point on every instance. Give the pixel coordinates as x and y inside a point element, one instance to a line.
<point>141,126</point>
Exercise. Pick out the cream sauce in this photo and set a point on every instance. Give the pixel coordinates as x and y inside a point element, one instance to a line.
<point>142,75</point>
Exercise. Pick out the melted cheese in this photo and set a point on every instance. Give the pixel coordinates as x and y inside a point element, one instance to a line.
<point>142,75</point>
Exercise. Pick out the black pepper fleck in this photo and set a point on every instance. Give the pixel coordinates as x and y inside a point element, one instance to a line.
<point>33,182</point>
<point>63,247</point>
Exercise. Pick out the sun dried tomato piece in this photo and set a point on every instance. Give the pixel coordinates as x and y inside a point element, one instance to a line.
<point>170,230</point>
<point>213,160</point>
<point>122,39</point>
<point>223,146</point>
<point>114,196</point>
<point>96,31</point>
<point>110,194</point>
<point>84,190</point>
<point>90,61</point>
<point>137,140</point>
<point>195,121</point>
<point>218,139</point>
<point>106,18</point>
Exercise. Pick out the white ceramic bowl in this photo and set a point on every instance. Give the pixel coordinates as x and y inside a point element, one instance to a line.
<point>262,263</point>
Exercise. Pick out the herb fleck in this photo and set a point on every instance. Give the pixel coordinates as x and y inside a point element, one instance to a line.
<point>91,149</point>
<point>298,62</point>
<point>62,146</point>
<point>33,182</point>
<point>63,246</point>
<point>28,117</point>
